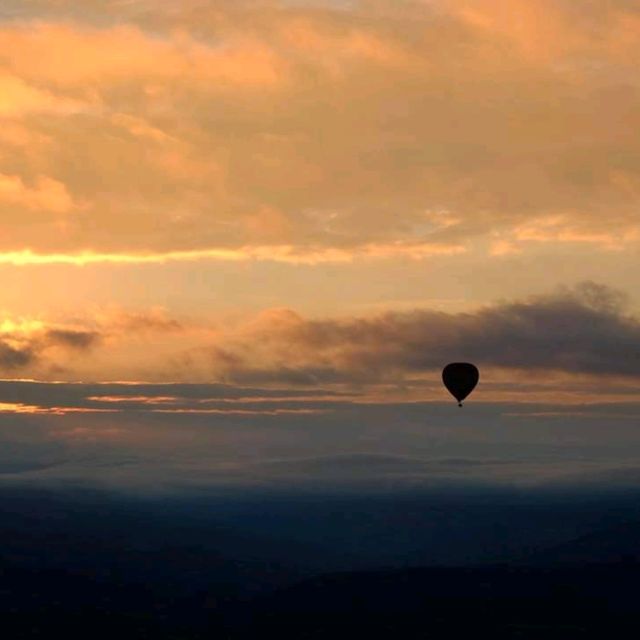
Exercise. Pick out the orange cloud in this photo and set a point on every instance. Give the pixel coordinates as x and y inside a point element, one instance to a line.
<point>560,229</point>
<point>280,253</point>
<point>263,131</point>
<point>17,98</point>
<point>540,31</point>
<point>68,55</point>
<point>139,127</point>
<point>151,400</point>
<point>46,194</point>
<point>589,328</point>
<point>562,33</point>
<point>18,407</point>
<point>593,335</point>
<point>332,47</point>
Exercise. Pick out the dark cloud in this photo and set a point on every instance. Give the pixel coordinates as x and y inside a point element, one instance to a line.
<point>73,338</point>
<point>242,374</point>
<point>15,357</point>
<point>19,351</point>
<point>45,349</point>
<point>584,330</point>
<point>143,322</point>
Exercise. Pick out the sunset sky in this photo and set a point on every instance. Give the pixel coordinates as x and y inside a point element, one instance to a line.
<point>240,239</point>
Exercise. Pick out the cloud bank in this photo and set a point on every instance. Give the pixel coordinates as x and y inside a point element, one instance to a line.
<point>148,437</point>
<point>142,129</point>
<point>584,330</point>
<point>582,337</point>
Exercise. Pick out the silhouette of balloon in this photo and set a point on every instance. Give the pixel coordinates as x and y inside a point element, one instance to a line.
<point>460,378</point>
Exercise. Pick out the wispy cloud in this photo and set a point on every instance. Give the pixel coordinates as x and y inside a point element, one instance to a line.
<point>25,396</point>
<point>69,433</point>
<point>287,254</point>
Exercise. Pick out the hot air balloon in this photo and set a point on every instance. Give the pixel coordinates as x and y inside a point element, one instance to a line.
<point>460,378</point>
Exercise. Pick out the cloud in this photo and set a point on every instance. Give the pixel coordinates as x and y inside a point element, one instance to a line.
<point>47,194</point>
<point>30,397</point>
<point>68,55</point>
<point>74,338</point>
<point>12,358</point>
<point>319,129</point>
<point>23,348</point>
<point>18,98</point>
<point>62,432</point>
<point>42,348</point>
<point>573,336</point>
<point>584,330</point>
<point>287,254</point>
<point>155,320</point>
<point>573,342</point>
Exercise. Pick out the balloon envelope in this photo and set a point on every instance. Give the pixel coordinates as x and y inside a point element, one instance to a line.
<point>460,378</point>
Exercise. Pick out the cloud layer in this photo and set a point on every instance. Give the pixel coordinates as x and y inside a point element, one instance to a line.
<point>219,438</point>
<point>576,338</point>
<point>144,128</point>
<point>581,331</point>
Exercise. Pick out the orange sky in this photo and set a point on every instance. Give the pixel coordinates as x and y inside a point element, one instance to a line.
<point>316,193</point>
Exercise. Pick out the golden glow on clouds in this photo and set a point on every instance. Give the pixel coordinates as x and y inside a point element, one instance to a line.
<point>19,98</point>
<point>553,230</point>
<point>74,56</point>
<point>223,130</point>
<point>15,407</point>
<point>21,326</point>
<point>150,404</point>
<point>10,407</point>
<point>152,400</point>
<point>202,155</point>
<point>282,349</point>
<point>280,253</point>
<point>18,407</point>
<point>558,229</point>
<point>137,399</point>
<point>46,194</point>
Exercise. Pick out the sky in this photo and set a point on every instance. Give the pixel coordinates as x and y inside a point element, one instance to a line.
<point>240,239</point>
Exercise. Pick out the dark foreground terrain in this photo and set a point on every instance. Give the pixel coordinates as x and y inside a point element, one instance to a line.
<point>586,602</point>
<point>90,565</point>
